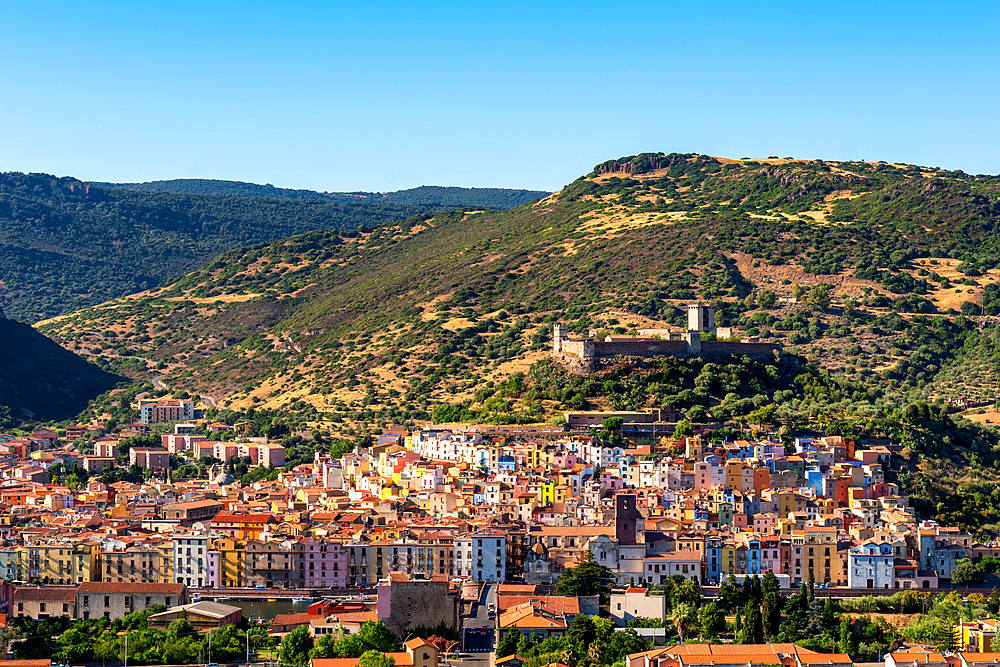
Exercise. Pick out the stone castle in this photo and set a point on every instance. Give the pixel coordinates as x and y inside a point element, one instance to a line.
<point>584,353</point>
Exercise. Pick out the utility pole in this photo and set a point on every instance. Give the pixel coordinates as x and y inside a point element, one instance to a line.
<point>126,648</point>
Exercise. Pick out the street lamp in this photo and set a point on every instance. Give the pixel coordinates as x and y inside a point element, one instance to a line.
<point>450,649</point>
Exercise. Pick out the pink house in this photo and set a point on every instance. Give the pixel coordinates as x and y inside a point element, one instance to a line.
<point>765,522</point>
<point>741,520</point>
<point>271,455</point>
<point>224,450</point>
<point>611,482</point>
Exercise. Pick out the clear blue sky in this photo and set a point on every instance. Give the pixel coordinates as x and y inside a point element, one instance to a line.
<point>363,96</point>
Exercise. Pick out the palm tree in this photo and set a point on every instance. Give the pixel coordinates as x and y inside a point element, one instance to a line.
<point>683,617</point>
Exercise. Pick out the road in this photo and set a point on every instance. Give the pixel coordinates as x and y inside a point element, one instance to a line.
<point>476,644</point>
<point>480,614</point>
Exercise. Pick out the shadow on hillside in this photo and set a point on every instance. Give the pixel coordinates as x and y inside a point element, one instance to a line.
<point>41,380</point>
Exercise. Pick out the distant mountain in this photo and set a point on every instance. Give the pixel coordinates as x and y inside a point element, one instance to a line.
<point>43,381</point>
<point>459,294</point>
<point>435,195</point>
<point>66,244</point>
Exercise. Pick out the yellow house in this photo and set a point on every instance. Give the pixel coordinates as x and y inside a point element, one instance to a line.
<point>727,560</point>
<point>166,551</point>
<point>135,564</point>
<point>786,502</point>
<point>561,493</point>
<point>734,475</point>
<point>547,492</point>
<point>976,636</point>
<point>61,562</point>
<point>232,561</point>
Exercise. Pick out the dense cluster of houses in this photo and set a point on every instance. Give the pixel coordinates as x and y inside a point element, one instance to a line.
<point>439,509</point>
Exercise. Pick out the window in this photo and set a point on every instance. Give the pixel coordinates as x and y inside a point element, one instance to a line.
<point>107,600</point>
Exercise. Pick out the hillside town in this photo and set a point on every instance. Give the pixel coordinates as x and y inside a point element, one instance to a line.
<point>469,528</point>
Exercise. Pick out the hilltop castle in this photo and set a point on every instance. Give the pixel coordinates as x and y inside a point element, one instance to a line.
<point>583,353</point>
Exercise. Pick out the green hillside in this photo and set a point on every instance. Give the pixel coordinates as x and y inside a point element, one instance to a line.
<point>65,245</point>
<point>40,380</point>
<point>433,195</point>
<point>639,237</point>
<point>879,281</point>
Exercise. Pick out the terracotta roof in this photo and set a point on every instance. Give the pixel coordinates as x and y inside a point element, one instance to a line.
<point>351,616</point>
<point>918,655</point>
<point>132,587</point>
<point>979,658</point>
<point>290,619</point>
<point>556,604</point>
<point>46,593</point>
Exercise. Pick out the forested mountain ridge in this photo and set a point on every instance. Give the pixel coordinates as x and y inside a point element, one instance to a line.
<point>453,197</point>
<point>880,282</point>
<point>41,380</point>
<point>65,244</point>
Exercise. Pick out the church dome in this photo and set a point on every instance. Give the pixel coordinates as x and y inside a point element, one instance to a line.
<point>225,479</point>
<point>538,548</point>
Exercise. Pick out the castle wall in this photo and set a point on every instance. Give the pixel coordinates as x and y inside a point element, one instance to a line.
<point>640,348</point>
<point>577,348</point>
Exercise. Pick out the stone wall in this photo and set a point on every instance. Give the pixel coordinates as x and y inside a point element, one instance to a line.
<point>416,603</point>
<point>582,348</point>
<point>641,348</point>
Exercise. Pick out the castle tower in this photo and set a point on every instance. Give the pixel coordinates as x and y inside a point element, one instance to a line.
<point>558,336</point>
<point>626,519</point>
<point>701,317</point>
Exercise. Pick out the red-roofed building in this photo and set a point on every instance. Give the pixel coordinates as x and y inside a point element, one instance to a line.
<point>242,526</point>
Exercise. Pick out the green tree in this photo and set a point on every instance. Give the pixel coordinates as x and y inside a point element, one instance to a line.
<point>378,637</point>
<point>582,630</point>
<point>685,591</point>
<point>753,625</point>
<point>966,573</point>
<point>525,643</point>
<point>730,596</point>
<point>766,298</point>
<point>829,615</point>
<point>819,296</point>
<point>620,645</point>
<point>296,645</point>
<point>682,615</point>
<point>181,651</point>
<point>180,628</point>
<point>613,424</point>
<point>771,613</point>
<point>712,621</point>
<point>508,644</point>
<point>683,429</point>
<point>587,578</point>
<point>770,584</point>
<point>376,659</point>
<point>848,640</point>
